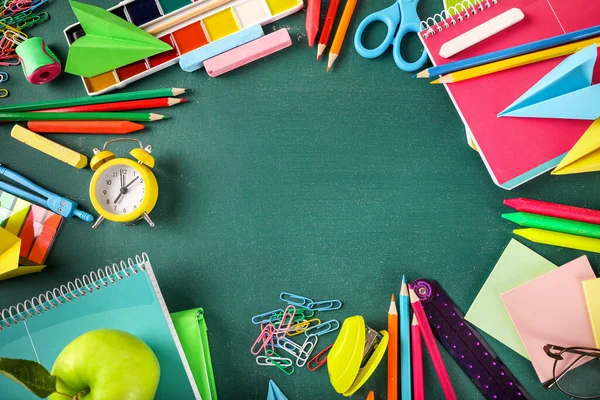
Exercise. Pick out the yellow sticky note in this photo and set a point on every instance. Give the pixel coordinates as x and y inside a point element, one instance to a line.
<point>591,288</point>
<point>584,156</point>
<point>10,246</point>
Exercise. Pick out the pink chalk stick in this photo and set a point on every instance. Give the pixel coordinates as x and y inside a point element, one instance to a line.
<point>248,53</point>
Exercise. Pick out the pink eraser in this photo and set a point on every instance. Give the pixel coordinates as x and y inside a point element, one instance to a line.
<point>248,53</point>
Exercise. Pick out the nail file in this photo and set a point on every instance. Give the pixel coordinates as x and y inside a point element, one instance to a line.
<point>466,346</point>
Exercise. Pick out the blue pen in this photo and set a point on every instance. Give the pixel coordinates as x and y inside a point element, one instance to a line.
<point>511,52</point>
<point>405,360</point>
<point>60,205</point>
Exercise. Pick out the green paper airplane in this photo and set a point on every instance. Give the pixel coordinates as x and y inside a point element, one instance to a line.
<point>110,42</point>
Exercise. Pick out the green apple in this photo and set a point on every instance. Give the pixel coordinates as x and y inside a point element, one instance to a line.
<point>106,364</point>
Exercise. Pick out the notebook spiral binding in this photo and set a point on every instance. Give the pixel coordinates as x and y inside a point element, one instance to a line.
<point>71,291</point>
<point>458,13</point>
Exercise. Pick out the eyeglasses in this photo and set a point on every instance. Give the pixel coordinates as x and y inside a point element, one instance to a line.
<point>576,371</point>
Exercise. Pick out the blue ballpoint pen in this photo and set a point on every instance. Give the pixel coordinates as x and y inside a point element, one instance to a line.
<point>60,205</point>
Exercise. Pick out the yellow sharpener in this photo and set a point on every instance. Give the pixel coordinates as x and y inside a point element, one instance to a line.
<point>355,355</point>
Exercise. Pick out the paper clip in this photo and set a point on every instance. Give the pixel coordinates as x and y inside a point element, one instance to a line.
<point>326,305</point>
<point>3,76</point>
<point>273,356</point>
<point>302,326</point>
<point>321,329</point>
<point>275,318</point>
<point>265,361</point>
<point>3,93</point>
<point>295,299</point>
<point>305,312</point>
<point>289,346</point>
<point>264,317</point>
<point>307,348</point>
<point>266,336</point>
<point>287,318</point>
<point>319,360</point>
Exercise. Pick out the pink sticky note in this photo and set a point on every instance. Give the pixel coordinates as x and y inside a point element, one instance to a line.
<point>248,53</point>
<point>551,309</point>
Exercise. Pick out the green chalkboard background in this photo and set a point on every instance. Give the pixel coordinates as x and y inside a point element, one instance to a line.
<point>281,177</point>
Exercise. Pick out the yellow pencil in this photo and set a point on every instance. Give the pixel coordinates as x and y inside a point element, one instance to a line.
<point>514,62</point>
<point>560,239</point>
<point>340,34</point>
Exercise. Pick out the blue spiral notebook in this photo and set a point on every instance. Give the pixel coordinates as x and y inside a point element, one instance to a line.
<point>123,296</point>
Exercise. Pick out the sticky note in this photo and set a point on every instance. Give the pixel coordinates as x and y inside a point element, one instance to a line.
<point>591,289</point>
<point>10,246</point>
<point>194,60</point>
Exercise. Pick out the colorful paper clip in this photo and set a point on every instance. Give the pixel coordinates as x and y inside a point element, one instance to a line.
<point>266,337</point>
<point>286,321</point>
<point>289,346</point>
<point>302,326</point>
<point>319,360</point>
<point>323,328</point>
<point>326,305</point>
<point>307,348</point>
<point>282,361</point>
<point>294,299</point>
<point>265,317</point>
<point>3,93</point>
<point>273,357</point>
<point>3,76</point>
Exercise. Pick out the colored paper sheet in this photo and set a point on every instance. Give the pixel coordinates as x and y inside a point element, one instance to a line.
<point>10,246</point>
<point>552,309</point>
<point>274,392</point>
<point>584,156</point>
<point>564,92</point>
<point>516,266</point>
<point>110,42</point>
<point>591,289</point>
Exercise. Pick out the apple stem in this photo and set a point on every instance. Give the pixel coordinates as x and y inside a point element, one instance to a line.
<point>81,394</point>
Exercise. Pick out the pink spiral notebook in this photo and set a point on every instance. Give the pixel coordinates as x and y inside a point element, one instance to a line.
<point>514,150</point>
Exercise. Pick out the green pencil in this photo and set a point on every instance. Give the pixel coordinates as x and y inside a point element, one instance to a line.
<point>554,224</point>
<point>84,101</point>
<point>80,116</point>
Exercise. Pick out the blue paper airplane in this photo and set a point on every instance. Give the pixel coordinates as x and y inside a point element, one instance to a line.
<point>275,393</point>
<point>564,92</point>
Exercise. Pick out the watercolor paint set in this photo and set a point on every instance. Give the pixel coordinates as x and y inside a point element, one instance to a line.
<point>185,36</point>
<point>36,226</point>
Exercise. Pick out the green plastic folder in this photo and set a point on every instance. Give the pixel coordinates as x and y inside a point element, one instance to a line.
<point>109,42</point>
<point>192,332</point>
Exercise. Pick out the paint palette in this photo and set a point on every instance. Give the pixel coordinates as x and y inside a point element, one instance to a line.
<point>183,37</point>
<point>36,226</point>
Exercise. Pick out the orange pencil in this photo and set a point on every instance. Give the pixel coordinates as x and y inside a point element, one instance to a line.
<point>371,395</point>
<point>340,34</point>
<point>393,351</point>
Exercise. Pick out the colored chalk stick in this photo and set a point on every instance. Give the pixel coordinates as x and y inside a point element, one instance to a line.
<point>194,60</point>
<point>554,224</point>
<point>248,53</point>
<point>49,147</point>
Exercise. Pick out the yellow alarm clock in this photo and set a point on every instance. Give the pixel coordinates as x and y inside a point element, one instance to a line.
<point>123,190</point>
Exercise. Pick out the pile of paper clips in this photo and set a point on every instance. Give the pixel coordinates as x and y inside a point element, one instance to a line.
<point>16,15</point>
<point>280,328</point>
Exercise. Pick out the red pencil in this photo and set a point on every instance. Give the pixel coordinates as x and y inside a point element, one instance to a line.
<point>554,210</point>
<point>121,105</point>
<point>417,361</point>
<point>434,352</point>
<point>99,127</point>
<point>327,27</point>
<point>313,19</point>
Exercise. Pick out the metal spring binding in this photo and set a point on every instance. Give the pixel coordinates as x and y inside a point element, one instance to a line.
<point>454,14</point>
<point>71,291</point>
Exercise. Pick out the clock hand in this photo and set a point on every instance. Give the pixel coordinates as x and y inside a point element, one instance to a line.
<point>124,189</point>
<point>130,183</point>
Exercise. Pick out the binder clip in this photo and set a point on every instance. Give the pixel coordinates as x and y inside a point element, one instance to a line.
<point>355,355</point>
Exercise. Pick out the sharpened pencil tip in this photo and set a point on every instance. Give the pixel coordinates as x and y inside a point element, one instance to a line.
<point>423,74</point>
<point>413,296</point>
<point>178,91</point>
<point>328,69</point>
<point>414,320</point>
<point>436,82</point>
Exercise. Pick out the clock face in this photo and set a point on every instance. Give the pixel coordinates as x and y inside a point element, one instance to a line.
<point>120,189</point>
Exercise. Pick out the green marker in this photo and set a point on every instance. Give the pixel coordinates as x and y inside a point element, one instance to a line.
<point>554,224</point>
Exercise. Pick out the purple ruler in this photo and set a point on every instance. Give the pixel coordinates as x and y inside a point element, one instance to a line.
<point>466,345</point>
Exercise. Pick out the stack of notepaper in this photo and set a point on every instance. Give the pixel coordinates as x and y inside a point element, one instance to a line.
<point>528,302</point>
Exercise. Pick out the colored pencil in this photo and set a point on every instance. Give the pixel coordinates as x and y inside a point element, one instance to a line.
<point>405,342</point>
<point>66,116</point>
<point>393,351</point>
<point>99,127</point>
<point>371,395</point>
<point>554,210</point>
<point>434,352</point>
<point>121,105</point>
<point>417,361</point>
<point>327,27</point>
<point>82,101</point>
<point>313,20</point>
<point>554,224</point>
<point>559,239</point>
<point>515,62</point>
<point>340,33</point>
<point>511,52</point>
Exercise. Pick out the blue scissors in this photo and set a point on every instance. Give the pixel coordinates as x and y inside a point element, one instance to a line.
<point>402,16</point>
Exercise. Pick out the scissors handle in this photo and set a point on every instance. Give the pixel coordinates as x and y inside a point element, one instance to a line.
<point>404,65</point>
<point>391,18</point>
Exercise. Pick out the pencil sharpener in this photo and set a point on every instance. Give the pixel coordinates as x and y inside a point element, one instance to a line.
<point>355,355</point>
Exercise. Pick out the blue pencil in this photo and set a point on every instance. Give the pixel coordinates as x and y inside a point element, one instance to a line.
<point>510,52</point>
<point>405,360</point>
